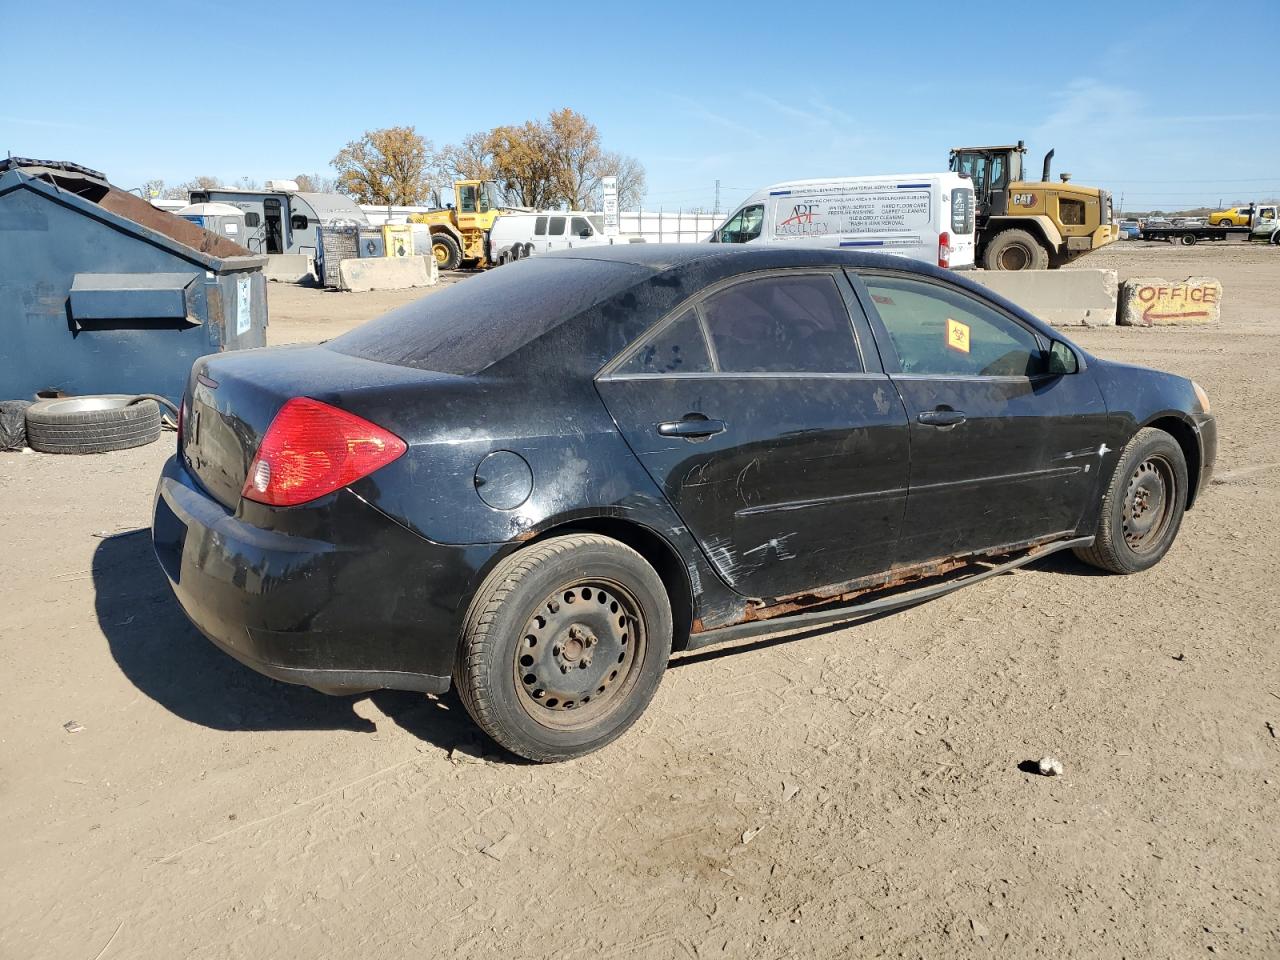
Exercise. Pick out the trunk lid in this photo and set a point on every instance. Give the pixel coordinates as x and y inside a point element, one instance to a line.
<point>231,400</point>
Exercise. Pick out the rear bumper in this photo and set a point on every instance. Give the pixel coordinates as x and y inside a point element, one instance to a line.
<point>378,607</point>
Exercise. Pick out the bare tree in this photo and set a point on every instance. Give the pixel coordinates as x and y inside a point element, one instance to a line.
<point>385,166</point>
<point>183,190</point>
<point>631,181</point>
<point>470,160</point>
<point>316,183</point>
<point>152,189</point>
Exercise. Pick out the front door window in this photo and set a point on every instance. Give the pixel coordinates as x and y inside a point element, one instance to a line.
<point>744,226</point>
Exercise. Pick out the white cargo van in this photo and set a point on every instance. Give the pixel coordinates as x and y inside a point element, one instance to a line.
<point>518,235</point>
<point>924,216</point>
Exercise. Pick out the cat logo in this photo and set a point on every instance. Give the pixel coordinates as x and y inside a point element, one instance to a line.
<point>1024,199</point>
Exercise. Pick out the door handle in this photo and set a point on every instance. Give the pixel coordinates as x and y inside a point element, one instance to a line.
<point>691,428</point>
<point>941,418</point>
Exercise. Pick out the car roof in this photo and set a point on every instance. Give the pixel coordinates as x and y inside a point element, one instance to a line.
<point>660,257</point>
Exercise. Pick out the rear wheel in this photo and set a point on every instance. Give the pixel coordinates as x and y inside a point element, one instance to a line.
<point>1142,505</point>
<point>1015,250</point>
<point>446,251</point>
<point>1275,238</point>
<point>1188,239</point>
<point>564,646</point>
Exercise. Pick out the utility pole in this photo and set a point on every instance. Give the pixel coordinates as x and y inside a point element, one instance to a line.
<point>717,210</point>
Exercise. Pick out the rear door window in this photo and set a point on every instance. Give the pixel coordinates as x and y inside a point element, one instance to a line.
<point>939,331</point>
<point>962,210</point>
<point>781,324</point>
<point>679,347</point>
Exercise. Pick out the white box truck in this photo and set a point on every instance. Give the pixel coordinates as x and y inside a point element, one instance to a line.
<point>924,216</point>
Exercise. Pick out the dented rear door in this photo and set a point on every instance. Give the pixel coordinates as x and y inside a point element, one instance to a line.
<point>789,480</point>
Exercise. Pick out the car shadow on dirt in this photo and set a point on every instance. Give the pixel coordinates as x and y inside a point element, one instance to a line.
<point>166,658</point>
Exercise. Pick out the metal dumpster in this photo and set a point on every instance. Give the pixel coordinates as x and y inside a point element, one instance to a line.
<point>100,292</point>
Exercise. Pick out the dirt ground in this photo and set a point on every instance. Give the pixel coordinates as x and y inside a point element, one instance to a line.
<point>848,793</point>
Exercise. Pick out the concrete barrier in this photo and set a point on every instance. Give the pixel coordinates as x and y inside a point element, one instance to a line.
<point>289,267</point>
<point>386,273</point>
<point>1156,302</point>
<point>1063,298</point>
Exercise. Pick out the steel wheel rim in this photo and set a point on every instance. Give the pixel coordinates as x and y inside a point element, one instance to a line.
<point>580,654</point>
<point>1020,258</point>
<point>1148,504</point>
<point>441,253</point>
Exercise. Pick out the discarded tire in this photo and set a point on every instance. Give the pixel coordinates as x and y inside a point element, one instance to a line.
<point>92,424</point>
<point>13,424</point>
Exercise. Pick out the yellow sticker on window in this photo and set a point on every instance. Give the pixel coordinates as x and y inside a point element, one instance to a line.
<point>957,335</point>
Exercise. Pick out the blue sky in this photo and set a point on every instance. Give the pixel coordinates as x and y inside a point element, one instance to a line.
<point>1171,104</point>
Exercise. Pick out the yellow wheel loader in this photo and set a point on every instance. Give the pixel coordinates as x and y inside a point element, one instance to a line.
<point>1030,224</point>
<point>460,233</point>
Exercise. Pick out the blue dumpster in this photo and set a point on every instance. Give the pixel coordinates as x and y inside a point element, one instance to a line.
<point>100,292</point>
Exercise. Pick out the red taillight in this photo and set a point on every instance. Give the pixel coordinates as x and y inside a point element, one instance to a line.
<point>944,249</point>
<point>312,449</point>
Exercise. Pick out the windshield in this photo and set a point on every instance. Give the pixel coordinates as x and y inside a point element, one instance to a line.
<point>472,325</point>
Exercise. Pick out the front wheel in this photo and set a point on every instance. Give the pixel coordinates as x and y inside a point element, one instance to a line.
<point>564,645</point>
<point>1142,505</point>
<point>1015,250</point>
<point>446,251</point>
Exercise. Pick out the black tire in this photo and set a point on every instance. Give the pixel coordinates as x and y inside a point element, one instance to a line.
<point>92,424</point>
<point>1275,239</point>
<point>520,670</point>
<point>1127,540</point>
<point>1015,250</point>
<point>446,251</point>
<point>526,251</point>
<point>1187,239</point>
<point>514,253</point>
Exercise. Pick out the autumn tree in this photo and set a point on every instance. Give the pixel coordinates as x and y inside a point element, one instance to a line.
<point>524,165</point>
<point>543,164</point>
<point>385,166</point>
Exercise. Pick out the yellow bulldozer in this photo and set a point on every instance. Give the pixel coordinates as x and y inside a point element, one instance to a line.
<point>460,233</point>
<point>1029,224</point>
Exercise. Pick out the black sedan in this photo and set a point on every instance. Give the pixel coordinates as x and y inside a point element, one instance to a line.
<point>538,483</point>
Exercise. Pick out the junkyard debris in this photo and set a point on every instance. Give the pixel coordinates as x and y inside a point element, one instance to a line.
<point>1050,767</point>
<point>73,726</point>
<point>500,849</point>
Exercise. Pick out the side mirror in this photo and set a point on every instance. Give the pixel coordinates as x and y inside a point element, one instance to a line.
<point>1062,359</point>
<point>585,234</point>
